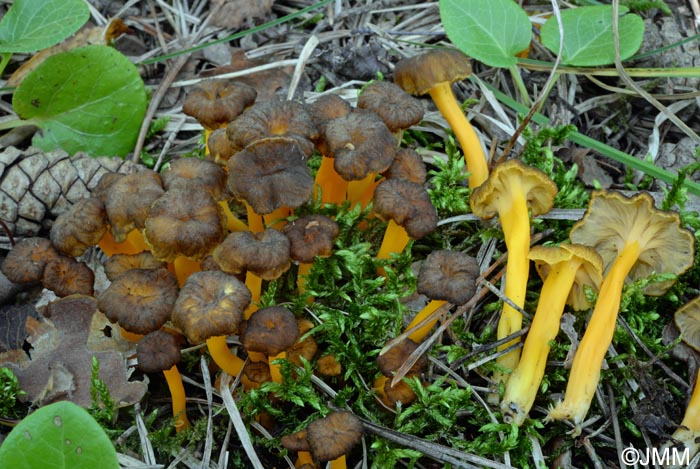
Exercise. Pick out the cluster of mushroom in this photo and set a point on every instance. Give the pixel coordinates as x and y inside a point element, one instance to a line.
<point>619,240</point>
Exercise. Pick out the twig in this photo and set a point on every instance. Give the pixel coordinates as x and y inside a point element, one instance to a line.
<point>237,420</point>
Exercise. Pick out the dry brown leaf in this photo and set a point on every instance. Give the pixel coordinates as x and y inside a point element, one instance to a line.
<point>237,13</point>
<point>64,342</point>
<point>88,34</point>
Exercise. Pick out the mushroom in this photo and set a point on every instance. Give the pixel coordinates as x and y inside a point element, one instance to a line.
<point>27,259</point>
<point>566,270</point>
<point>120,263</point>
<point>433,72</point>
<point>513,191</point>
<point>389,362</point>
<point>408,165</point>
<point>181,227</point>
<point>65,276</point>
<point>332,185</point>
<point>361,146</point>
<point>410,212</point>
<point>271,175</point>
<point>444,277</point>
<point>80,227</point>
<point>328,438</point>
<point>209,308</point>
<point>270,331</point>
<point>215,103</point>
<point>687,319</point>
<point>128,203</point>
<point>140,300</point>
<point>263,256</point>
<point>219,146</point>
<point>310,236</point>
<point>274,118</point>
<point>396,108</point>
<point>159,351</point>
<point>635,240</point>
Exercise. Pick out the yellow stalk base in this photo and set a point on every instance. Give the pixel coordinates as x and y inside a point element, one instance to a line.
<point>358,190</point>
<point>222,356</point>
<point>395,240</point>
<point>585,370</point>
<point>419,334</point>
<point>254,284</point>
<point>332,185</point>
<point>232,222</point>
<point>183,268</point>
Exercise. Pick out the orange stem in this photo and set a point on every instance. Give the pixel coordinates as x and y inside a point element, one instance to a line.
<point>222,356</point>
<point>177,391</point>
<point>332,185</point>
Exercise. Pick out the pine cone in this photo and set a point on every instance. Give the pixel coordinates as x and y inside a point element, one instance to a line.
<point>36,187</point>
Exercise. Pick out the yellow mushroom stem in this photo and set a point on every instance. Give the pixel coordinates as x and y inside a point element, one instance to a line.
<point>302,273</point>
<point>688,432</point>
<point>133,244</point>
<point>183,267</point>
<point>395,240</point>
<point>474,155</point>
<point>332,185</point>
<point>522,386</point>
<point>585,370</point>
<point>419,334</point>
<point>233,223</point>
<point>255,221</point>
<point>358,190</point>
<point>515,222</point>
<point>177,391</point>
<point>338,463</point>
<point>378,387</point>
<point>222,356</point>
<point>275,373</point>
<point>304,457</point>
<point>277,218</point>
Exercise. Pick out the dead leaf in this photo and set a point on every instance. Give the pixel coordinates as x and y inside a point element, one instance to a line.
<point>13,332</point>
<point>87,35</point>
<point>60,362</point>
<point>237,13</point>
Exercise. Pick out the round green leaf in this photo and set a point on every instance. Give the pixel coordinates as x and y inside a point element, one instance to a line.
<point>30,25</point>
<point>90,99</point>
<point>588,35</point>
<point>491,31</point>
<point>60,435</point>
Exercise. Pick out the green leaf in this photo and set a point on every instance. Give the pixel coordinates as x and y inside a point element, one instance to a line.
<point>30,25</point>
<point>89,99</point>
<point>491,31</point>
<point>588,35</point>
<point>60,435</point>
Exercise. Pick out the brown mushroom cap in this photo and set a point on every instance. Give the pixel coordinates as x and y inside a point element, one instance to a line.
<point>270,330</point>
<point>334,435</point>
<point>589,273</point>
<point>417,75</point>
<point>391,360</point>
<point>80,227</point>
<point>211,303</point>
<point>396,108</point>
<point>157,351</point>
<point>140,300</point>
<point>399,392</point>
<point>328,365</point>
<point>539,190</point>
<point>65,276</point>
<point>269,174</point>
<point>311,236</point>
<point>27,259</point>
<point>217,102</point>
<point>408,204</point>
<point>449,276</point>
<point>305,348</point>
<point>687,319</point>
<point>322,111</point>
<point>220,146</point>
<point>408,165</point>
<point>103,185</point>
<point>196,175</point>
<point>360,144</point>
<point>128,202</point>
<point>120,263</point>
<point>296,441</point>
<point>265,254</point>
<point>274,118</point>
<point>613,219</point>
<point>184,224</point>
